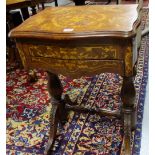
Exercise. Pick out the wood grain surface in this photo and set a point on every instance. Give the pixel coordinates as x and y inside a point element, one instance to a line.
<point>81,21</point>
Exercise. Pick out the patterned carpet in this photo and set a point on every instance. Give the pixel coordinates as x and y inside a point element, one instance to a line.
<point>28,110</point>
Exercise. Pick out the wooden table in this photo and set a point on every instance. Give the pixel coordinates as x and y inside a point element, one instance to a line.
<point>82,2</point>
<point>16,4</point>
<point>21,4</point>
<point>79,41</point>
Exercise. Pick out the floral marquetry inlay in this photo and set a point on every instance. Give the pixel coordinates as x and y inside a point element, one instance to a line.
<point>81,20</point>
<point>128,61</point>
<point>80,40</point>
<point>78,68</point>
<point>81,52</point>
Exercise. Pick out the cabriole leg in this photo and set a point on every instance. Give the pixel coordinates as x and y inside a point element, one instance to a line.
<point>55,90</point>
<point>128,94</point>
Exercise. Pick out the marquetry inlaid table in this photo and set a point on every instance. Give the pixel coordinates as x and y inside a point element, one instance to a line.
<point>83,41</point>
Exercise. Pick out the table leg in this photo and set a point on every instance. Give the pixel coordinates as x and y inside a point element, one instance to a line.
<point>25,13</point>
<point>11,48</point>
<point>128,94</point>
<point>58,113</point>
<point>79,2</point>
<point>109,1</point>
<point>119,2</point>
<point>32,76</point>
<point>33,10</point>
<point>56,2</point>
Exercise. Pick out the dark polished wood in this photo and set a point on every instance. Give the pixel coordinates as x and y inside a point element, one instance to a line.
<point>21,4</point>
<point>48,1</point>
<point>82,2</point>
<point>58,112</point>
<point>13,19</point>
<point>12,5</point>
<point>16,4</point>
<point>128,94</point>
<point>91,40</point>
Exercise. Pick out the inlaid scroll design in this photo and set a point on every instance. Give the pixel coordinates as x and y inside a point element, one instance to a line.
<point>128,61</point>
<point>72,65</point>
<point>77,68</point>
<point>91,19</point>
<point>22,56</point>
<point>84,52</point>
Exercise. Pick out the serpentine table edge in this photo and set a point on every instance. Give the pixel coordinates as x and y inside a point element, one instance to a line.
<point>91,40</point>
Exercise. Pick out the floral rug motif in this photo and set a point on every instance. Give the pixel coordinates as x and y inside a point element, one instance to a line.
<point>28,111</point>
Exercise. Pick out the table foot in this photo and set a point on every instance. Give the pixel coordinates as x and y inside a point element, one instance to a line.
<point>54,119</point>
<point>32,76</point>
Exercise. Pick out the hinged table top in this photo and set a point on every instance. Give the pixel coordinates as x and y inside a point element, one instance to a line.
<point>80,21</point>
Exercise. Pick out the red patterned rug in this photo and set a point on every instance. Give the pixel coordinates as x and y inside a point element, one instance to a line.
<point>28,110</point>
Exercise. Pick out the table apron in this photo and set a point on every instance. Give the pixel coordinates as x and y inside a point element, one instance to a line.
<point>76,61</point>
